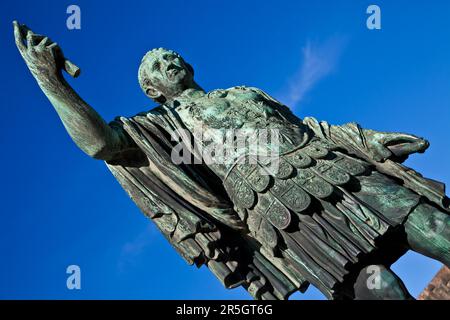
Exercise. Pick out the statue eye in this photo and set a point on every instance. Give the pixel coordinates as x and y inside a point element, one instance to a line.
<point>156,66</point>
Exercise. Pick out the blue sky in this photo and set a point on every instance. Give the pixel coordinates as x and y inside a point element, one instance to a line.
<point>59,207</point>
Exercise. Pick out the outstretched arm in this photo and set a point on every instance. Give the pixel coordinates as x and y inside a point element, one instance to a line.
<point>85,126</point>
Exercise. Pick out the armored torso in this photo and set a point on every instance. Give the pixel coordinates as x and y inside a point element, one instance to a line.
<point>242,112</point>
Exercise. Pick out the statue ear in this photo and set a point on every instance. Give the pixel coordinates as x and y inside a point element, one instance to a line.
<point>153,93</point>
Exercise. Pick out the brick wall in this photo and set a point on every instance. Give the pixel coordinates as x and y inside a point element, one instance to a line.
<point>439,287</point>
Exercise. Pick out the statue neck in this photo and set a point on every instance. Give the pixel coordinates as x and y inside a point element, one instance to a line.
<point>189,94</point>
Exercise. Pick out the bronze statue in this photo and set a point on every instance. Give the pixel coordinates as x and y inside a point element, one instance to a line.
<point>336,212</point>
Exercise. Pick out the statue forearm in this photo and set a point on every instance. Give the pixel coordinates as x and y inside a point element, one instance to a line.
<point>374,145</point>
<point>84,125</point>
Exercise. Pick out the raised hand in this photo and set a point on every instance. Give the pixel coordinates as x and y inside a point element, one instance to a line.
<point>43,57</point>
<point>85,126</point>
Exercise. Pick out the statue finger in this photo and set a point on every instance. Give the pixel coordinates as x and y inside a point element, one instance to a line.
<point>25,29</point>
<point>26,32</point>
<point>19,38</point>
<point>407,137</point>
<point>54,48</point>
<point>45,41</point>
<point>29,39</point>
<point>33,39</point>
<point>396,138</point>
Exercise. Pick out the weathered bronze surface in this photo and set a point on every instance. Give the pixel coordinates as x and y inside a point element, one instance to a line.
<point>336,212</point>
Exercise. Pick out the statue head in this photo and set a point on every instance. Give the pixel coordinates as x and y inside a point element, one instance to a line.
<point>163,75</point>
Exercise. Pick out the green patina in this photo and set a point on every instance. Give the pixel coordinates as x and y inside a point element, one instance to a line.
<point>339,203</point>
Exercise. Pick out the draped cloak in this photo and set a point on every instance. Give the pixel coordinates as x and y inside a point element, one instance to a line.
<point>192,209</point>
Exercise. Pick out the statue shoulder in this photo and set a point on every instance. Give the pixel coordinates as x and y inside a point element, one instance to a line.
<point>235,91</point>
<point>156,118</point>
<point>257,94</point>
<point>284,110</point>
<point>154,112</point>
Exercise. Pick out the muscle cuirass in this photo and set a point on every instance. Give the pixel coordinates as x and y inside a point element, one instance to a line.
<point>243,120</point>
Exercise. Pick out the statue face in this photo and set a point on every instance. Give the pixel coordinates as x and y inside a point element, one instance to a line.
<point>164,74</point>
